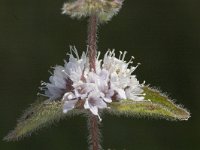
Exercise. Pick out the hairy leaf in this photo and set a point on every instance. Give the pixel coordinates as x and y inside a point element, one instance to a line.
<point>40,114</point>
<point>157,105</point>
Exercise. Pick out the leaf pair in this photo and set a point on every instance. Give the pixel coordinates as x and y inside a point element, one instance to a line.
<point>45,112</point>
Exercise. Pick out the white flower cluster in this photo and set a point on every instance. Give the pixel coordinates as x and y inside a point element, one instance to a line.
<point>79,87</point>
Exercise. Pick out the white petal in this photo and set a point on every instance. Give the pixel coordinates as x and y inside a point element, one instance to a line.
<point>100,103</point>
<point>94,110</point>
<point>69,105</point>
<point>68,96</point>
<point>86,105</point>
<point>121,93</point>
<point>108,100</point>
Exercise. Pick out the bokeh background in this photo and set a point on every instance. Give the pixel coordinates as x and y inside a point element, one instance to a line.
<point>163,35</point>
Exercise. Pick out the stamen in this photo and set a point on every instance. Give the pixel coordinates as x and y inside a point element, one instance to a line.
<point>125,52</point>
<point>98,55</point>
<point>43,83</point>
<point>131,60</point>
<point>50,72</point>
<point>70,48</point>
<point>63,71</point>
<point>137,65</point>
<point>109,53</point>
<point>40,94</point>
<point>120,55</point>
<point>99,118</point>
<point>134,68</point>
<point>53,67</point>
<point>75,52</point>
<point>113,53</point>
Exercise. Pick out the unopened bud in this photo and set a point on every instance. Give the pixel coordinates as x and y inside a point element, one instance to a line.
<point>104,9</point>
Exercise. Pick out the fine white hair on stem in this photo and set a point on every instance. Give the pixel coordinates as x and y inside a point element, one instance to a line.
<point>94,137</point>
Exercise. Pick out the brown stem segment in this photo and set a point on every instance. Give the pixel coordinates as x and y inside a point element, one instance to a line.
<point>92,41</point>
<point>94,133</point>
<point>93,121</point>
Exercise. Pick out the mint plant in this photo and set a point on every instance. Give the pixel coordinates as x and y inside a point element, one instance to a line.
<point>90,84</point>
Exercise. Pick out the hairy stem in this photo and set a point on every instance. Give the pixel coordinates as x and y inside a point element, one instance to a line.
<point>93,121</point>
<point>92,41</point>
<point>94,132</point>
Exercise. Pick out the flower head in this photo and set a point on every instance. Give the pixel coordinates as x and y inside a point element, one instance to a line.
<point>81,88</point>
<point>104,9</point>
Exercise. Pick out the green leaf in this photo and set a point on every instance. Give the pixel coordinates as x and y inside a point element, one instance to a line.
<point>158,106</point>
<point>40,114</point>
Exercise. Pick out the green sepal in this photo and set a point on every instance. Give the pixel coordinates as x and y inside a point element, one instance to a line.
<point>156,105</point>
<point>38,115</point>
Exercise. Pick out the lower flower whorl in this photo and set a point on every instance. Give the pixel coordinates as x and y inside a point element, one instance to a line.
<point>79,87</point>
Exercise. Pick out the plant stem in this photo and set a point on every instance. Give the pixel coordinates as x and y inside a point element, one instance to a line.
<point>93,121</point>
<point>92,41</point>
<point>94,132</point>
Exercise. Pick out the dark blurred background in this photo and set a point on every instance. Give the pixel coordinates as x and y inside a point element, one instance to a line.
<point>163,35</point>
